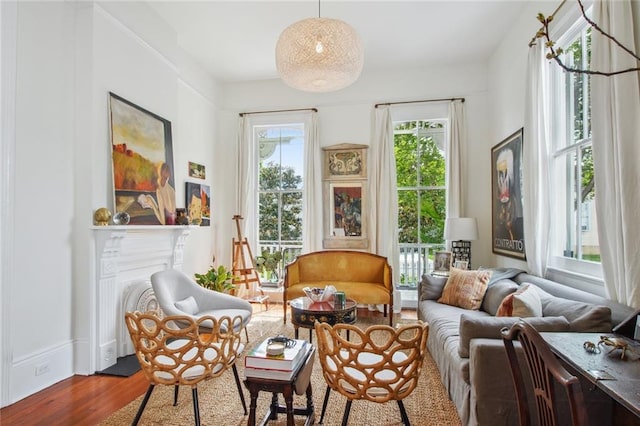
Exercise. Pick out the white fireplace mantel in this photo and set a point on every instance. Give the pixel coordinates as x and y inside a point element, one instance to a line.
<point>125,258</point>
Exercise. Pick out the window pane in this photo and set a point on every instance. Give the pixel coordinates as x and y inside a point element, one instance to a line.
<point>292,155</point>
<point>432,216</point>
<point>269,176</point>
<point>269,209</point>
<point>408,216</point>
<point>566,205</point>
<point>268,144</point>
<point>576,90</point>
<point>590,246</point>
<point>406,152</point>
<point>291,227</point>
<point>432,164</point>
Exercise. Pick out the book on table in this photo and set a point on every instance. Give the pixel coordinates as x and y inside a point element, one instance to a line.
<point>287,361</point>
<point>273,374</point>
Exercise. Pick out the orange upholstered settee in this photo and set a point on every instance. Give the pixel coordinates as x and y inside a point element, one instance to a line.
<point>364,277</point>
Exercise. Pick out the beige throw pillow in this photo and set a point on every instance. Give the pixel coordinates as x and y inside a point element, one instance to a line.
<point>465,289</point>
<point>524,303</point>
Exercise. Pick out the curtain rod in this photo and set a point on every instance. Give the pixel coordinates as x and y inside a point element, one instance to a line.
<point>534,38</point>
<point>422,101</point>
<point>242,114</point>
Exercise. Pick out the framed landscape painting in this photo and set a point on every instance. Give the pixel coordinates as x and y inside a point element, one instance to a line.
<point>142,163</point>
<point>196,170</point>
<point>506,206</point>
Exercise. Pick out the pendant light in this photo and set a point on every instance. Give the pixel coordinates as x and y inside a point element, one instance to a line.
<point>319,54</point>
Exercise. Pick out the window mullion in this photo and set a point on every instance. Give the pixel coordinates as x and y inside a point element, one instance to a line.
<point>578,230</point>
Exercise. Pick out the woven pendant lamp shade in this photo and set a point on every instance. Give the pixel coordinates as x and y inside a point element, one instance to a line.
<point>319,55</point>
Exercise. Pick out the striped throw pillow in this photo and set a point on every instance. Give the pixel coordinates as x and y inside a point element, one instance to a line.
<point>465,289</point>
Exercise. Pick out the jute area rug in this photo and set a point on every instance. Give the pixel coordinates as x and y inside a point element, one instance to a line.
<point>220,403</point>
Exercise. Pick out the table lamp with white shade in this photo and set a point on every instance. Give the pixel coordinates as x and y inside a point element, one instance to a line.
<point>461,231</point>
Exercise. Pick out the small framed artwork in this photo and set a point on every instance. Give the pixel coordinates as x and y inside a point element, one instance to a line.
<point>442,262</point>
<point>196,170</point>
<point>198,204</point>
<point>461,264</point>
<point>506,204</point>
<point>346,224</point>
<point>205,192</point>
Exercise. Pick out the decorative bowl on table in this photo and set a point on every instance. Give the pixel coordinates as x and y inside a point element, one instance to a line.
<point>314,293</point>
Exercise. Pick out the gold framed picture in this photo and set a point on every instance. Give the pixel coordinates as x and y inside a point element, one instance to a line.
<point>345,161</point>
<point>345,197</point>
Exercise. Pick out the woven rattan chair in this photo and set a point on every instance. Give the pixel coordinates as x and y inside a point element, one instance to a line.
<point>182,356</point>
<point>378,364</point>
<point>544,369</point>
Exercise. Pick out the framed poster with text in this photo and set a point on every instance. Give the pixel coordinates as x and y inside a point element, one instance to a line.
<point>506,206</point>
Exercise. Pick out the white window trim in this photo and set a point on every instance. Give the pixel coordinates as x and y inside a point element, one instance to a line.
<point>581,274</point>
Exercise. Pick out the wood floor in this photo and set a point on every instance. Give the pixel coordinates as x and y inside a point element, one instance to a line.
<point>87,400</point>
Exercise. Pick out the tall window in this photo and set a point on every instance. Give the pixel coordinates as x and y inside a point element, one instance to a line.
<point>420,165</point>
<point>575,238</point>
<point>280,188</point>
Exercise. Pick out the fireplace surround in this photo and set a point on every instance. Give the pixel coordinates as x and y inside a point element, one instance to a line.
<point>125,258</point>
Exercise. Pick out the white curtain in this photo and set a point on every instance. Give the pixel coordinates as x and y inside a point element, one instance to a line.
<point>246,181</point>
<point>535,155</point>
<point>453,172</point>
<point>312,199</point>
<point>383,192</point>
<point>615,113</point>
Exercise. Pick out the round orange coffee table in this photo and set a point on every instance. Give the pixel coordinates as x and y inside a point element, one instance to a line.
<point>305,312</point>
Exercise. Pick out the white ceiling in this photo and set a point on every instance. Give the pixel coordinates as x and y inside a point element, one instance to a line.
<point>235,40</point>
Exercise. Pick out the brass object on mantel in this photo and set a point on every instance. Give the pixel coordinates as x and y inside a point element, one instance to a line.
<point>102,216</point>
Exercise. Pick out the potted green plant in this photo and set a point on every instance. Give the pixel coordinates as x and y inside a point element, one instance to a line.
<point>268,264</point>
<point>216,279</point>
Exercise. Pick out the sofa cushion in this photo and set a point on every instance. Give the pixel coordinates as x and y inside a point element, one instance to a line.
<point>472,327</point>
<point>431,287</point>
<point>496,292</point>
<point>584,317</point>
<point>361,292</point>
<point>187,305</point>
<point>524,303</point>
<point>465,289</point>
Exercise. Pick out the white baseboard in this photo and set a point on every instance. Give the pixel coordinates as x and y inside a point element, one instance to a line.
<point>82,364</point>
<point>37,371</point>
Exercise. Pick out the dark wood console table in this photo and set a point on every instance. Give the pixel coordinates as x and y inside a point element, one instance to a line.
<point>300,383</point>
<point>624,388</point>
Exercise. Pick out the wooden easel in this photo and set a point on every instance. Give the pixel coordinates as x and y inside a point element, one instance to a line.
<point>245,271</point>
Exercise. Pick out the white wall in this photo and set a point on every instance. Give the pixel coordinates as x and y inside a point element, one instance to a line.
<point>507,74</point>
<point>70,55</point>
<point>345,116</point>
<point>41,293</point>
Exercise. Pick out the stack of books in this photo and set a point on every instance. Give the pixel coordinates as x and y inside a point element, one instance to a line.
<point>257,363</point>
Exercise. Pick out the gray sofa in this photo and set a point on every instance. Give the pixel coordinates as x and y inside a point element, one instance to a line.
<point>468,350</point>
